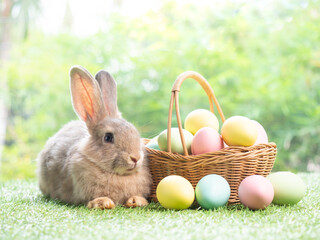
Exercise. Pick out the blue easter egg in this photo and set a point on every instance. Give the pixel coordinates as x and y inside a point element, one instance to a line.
<point>212,191</point>
<point>153,145</point>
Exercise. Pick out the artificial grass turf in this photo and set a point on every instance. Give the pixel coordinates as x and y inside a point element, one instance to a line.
<point>26,214</point>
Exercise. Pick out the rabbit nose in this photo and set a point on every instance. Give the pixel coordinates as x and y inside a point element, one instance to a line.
<point>135,160</point>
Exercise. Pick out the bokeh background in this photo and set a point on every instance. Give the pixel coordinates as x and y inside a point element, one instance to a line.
<point>262,59</point>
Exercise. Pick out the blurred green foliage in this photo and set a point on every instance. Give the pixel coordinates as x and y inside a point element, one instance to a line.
<point>262,61</point>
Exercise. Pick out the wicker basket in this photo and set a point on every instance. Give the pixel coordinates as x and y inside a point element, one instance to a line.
<point>233,163</point>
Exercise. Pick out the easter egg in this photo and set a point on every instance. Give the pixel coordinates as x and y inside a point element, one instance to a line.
<point>175,192</point>
<point>176,144</point>
<point>153,145</point>
<point>212,191</point>
<point>200,118</point>
<point>239,131</point>
<point>206,140</point>
<point>288,187</point>
<point>262,135</point>
<point>256,192</point>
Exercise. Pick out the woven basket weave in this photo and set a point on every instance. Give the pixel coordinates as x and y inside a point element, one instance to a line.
<point>233,163</point>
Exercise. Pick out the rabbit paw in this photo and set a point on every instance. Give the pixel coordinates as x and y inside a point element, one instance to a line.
<point>136,201</point>
<point>102,203</point>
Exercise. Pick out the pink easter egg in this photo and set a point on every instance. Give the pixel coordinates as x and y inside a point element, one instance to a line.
<point>262,135</point>
<point>206,140</point>
<point>256,192</point>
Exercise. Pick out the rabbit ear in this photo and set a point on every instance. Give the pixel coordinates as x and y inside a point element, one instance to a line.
<point>108,88</point>
<point>86,96</point>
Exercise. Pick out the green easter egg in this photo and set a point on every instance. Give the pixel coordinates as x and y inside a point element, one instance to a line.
<point>288,187</point>
<point>176,144</point>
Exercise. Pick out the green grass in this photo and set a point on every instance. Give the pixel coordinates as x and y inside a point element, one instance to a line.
<point>26,214</point>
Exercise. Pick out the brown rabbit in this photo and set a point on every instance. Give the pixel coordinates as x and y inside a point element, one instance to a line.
<point>99,161</point>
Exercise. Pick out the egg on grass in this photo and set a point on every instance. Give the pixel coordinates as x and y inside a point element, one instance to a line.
<point>288,188</point>
<point>212,191</point>
<point>256,192</point>
<point>175,192</point>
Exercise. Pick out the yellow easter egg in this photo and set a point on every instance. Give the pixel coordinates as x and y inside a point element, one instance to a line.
<point>175,192</point>
<point>200,118</point>
<point>239,131</point>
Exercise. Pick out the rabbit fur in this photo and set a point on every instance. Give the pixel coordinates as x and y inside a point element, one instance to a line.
<point>99,160</point>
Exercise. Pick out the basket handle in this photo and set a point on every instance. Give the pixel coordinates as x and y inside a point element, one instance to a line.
<point>175,98</point>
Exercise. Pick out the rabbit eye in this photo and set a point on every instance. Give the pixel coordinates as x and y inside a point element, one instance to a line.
<point>108,137</point>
